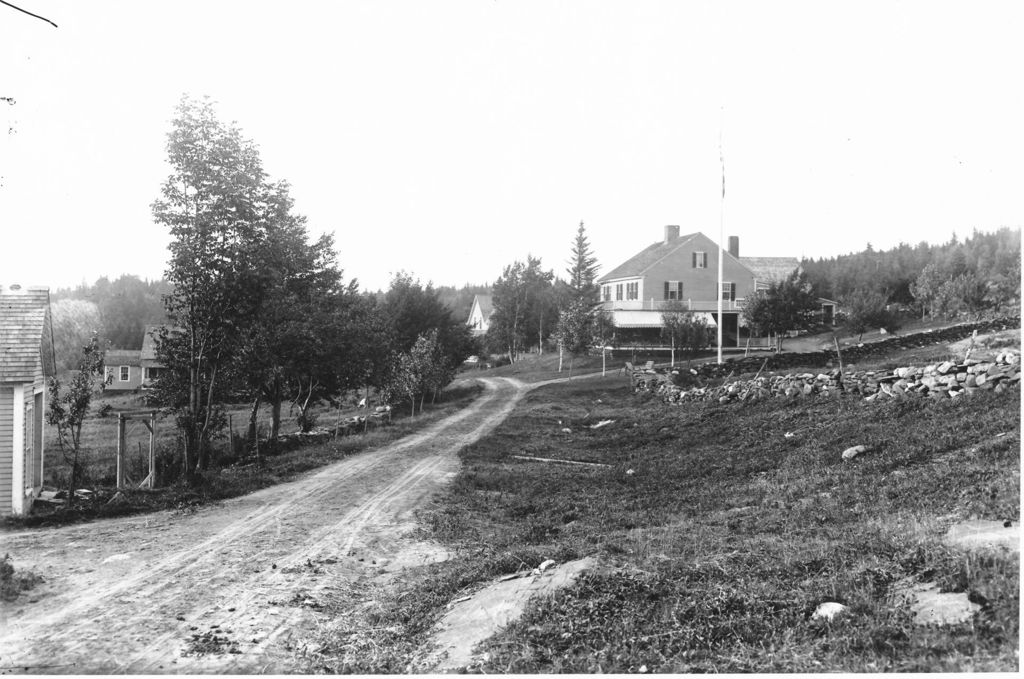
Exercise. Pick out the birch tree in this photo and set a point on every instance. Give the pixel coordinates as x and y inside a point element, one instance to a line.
<point>217,206</point>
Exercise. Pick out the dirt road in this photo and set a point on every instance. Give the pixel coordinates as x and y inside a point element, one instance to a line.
<point>233,587</point>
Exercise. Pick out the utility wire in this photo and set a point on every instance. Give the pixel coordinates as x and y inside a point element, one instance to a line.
<point>25,11</point>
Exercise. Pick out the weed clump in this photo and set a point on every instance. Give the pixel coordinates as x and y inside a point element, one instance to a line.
<point>13,583</point>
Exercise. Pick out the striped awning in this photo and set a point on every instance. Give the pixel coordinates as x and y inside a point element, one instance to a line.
<point>628,318</point>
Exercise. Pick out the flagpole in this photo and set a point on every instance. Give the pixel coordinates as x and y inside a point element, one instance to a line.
<point>721,237</point>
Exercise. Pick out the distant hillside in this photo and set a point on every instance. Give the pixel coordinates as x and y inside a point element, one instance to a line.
<point>460,300</point>
<point>125,306</point>
<point>992,260</point>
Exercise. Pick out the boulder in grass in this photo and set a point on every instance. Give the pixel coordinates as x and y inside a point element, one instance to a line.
<point>854,451</point>
<point>828,610</point>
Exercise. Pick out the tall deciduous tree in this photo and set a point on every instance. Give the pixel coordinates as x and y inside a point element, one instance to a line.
<point>684,331</point>
<point>925,288</point>
<point>582,327</point>
<point>542,303</point>
<point>785,305</point>
<point>218,207</point>
<point>506,330</point>
<point>411,309</point>
<point>524,308</point>
<point>866,309</point>
<point>296,346</point>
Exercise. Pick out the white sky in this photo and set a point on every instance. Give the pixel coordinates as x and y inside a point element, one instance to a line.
<point>449,138</point>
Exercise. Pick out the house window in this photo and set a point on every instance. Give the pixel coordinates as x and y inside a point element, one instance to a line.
<point>618,291</point>
<point>633,290</point>
<point>125,371</point>
<point>673,289</point>
<point>606,293</point>
<point>728,292</point>
<point>700,260</point>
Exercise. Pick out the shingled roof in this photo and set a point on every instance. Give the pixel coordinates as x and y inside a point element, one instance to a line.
<point>639,263</point>
<point>25,337</point>
<point>149,342</point>
<point>115,357</point>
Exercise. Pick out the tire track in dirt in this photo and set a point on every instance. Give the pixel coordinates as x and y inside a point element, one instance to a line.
<point>131,600</point>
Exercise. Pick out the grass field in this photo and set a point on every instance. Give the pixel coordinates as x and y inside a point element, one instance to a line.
<point>721,528</point>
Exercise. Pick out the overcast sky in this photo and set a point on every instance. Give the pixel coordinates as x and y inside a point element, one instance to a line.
<point>450,138</point>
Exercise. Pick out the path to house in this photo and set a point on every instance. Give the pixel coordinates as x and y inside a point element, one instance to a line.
<point>233,587</point>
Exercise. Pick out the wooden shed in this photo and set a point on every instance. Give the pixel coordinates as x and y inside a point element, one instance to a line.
<point>26,360</point>
<point>122,369</point>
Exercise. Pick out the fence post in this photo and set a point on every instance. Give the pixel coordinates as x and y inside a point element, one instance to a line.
<point>120,450</point>
<point>152,450</point>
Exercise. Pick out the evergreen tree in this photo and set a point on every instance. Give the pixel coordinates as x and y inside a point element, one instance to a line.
<point>583,269</point>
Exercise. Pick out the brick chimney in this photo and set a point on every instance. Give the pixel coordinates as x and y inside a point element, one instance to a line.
<point>671,232</point>
<point>734,246</point>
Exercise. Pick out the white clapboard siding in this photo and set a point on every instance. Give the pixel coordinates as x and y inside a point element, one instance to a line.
<point>6,448</point>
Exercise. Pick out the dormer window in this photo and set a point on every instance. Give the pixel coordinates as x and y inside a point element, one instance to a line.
<point>700,260</point>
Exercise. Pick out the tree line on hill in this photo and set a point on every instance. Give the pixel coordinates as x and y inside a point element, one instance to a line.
<point>878,289</point>
<point>117,311</point>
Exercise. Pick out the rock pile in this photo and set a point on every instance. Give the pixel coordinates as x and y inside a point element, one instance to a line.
<point>352,425</point>
<point>939,380</point>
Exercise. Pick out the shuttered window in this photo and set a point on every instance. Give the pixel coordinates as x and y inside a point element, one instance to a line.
<point>700,260</point>
<point>632,290</point>
<point>673,290</point>
<point>618,291</point>
<point>729,292</point>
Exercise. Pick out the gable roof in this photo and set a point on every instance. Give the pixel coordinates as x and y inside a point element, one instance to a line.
<point>25,342</point>
<point>115,357</point>
<point>638,264</point>
<point>771,269</point>
<point>486,305</point>
<point>148,352</point>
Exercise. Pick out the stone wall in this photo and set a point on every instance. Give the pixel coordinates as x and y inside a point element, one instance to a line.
<point>827,358</point>
<point>938,380</point>
<point>986,371</point>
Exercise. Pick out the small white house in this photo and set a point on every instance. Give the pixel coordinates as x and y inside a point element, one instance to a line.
<point>480,314</point>
<point>26,360</point>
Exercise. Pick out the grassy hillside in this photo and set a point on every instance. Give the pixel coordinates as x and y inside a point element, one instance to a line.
<point>722,528</point>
